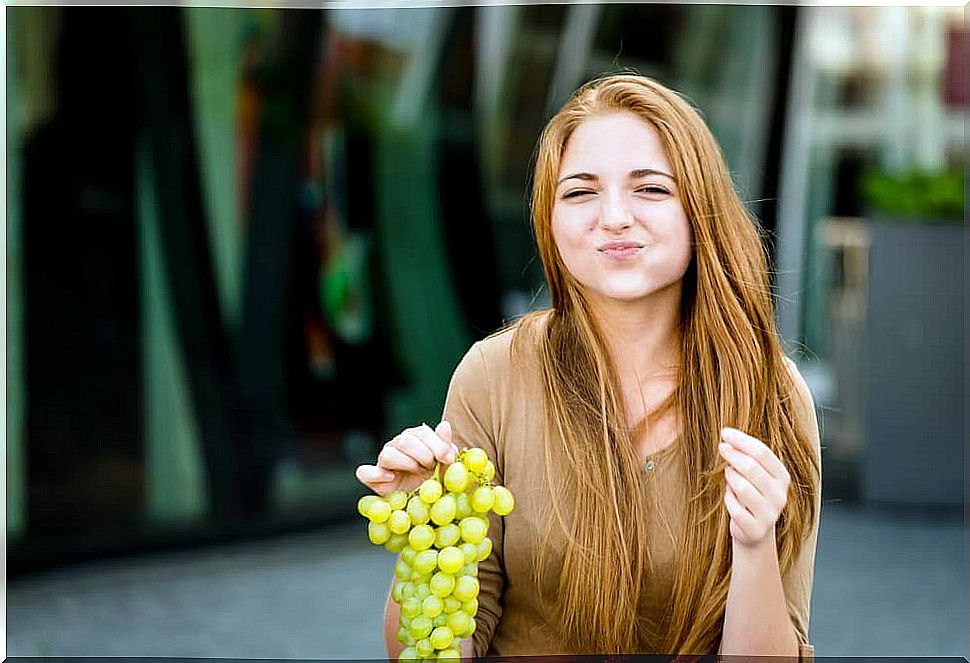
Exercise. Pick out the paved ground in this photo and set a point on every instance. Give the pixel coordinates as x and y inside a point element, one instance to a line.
<point>884,586</point>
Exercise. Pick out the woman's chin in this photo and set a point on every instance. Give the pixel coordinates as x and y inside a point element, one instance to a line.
<point>624,295</point>
<point>635,290</point>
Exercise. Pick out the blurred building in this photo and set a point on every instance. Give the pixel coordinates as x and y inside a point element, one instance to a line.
<point>871,247</point>
<point>245,246</point>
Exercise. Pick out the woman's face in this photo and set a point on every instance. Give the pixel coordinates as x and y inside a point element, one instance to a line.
<point>617,219</point>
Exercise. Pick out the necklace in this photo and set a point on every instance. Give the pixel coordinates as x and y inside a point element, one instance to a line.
<point>637,431</point>
<point>653,415</point>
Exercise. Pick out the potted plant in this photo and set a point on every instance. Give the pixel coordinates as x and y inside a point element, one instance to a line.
<point>913,357</point>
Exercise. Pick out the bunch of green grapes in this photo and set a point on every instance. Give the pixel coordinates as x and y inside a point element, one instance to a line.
<point>440,530</point>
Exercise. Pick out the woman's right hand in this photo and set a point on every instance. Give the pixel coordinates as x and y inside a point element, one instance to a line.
<point>408,459</point>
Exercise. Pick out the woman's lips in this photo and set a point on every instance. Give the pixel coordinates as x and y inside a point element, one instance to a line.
<point>620,252</point>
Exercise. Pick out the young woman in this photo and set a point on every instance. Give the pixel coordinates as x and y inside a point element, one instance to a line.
<point>662,450</point>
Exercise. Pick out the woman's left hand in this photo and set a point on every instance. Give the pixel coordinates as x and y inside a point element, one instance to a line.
<point>757,487</point>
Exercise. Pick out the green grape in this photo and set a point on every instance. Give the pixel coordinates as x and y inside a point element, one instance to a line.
<point>471,607</point>
<point>443,511</point>
<point>446,535</point>
<point>450,560</point>
<point>422,591</point>
<point>396,590</point>
<point>463,506</point>
<point>451,605</point>
<point>399,522</point>
<point>451,653</point>
<point>409,654</point>
<point>365,503</point>
<point>418,511</point>
<point>504,502</point>
<point>458,621</point>
<point>396,543</point>
<point>484,549</point>
<point>379,511</point>
<point>378,533</point>
<point>420,627</point>
<point>397,499</point>
<point>411,607</point>
<point>424,647</point>
<point>421,537</point>
<point>456,477</point>
<point>420,578</point>
<point>442,584</point>
<point>475,460</point>
<point>441,637</point>
<point>470,570</point>
<point>405,621</point>
<point>440,620</point>
<point>473,529</point>
<point>471,629</point>
<point>402,570</point>
<point>489,472</point>
<point>426,561</point>
<point>408,554</point>
<point>430,491</point>
<point>403,635</point>
<point>482,499</point>
<point>466,588</point>
<point>432,606</point>
<point>456,643</point>
<point>407,589</point>
<point>469,552</point>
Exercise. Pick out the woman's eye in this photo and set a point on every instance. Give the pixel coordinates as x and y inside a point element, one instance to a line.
<point>655,190</point>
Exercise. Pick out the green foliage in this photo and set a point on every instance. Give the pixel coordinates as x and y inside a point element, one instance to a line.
<point>916,195</point>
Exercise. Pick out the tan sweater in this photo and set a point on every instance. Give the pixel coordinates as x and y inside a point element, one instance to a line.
<point>496,404</point>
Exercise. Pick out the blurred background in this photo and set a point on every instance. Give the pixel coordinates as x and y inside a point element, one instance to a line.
<point>246,246</point>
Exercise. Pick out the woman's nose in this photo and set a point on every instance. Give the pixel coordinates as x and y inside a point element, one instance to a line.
<point>615,214</point>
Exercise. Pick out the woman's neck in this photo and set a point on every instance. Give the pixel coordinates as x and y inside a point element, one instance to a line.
<point>644,337</point>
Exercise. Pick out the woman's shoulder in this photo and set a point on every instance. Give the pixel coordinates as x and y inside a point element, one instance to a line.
<point>804,404</point>
<point>513,346</point>
<point>504,362</point>
<point>496,387</point>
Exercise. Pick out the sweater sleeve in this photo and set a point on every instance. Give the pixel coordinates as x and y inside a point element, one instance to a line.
<point>797,582</point>
<point>469,410</point>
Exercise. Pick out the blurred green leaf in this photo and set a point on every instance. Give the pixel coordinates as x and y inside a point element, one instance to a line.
<point>915,195</point>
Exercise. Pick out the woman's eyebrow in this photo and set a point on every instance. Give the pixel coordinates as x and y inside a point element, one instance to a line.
<point>634,174</point>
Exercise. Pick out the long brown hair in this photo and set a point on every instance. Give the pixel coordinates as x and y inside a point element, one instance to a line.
<point>732,373</point>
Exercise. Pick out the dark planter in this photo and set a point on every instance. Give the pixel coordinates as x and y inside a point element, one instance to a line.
<point>914,359</point>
